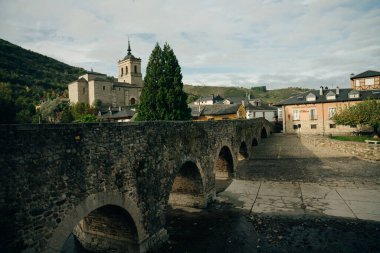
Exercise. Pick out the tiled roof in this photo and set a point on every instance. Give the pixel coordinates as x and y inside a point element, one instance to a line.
<point>125,113</point>
<point>368,73</point>
<point>216,109</point>
<point>196,111</point>
<point>260,108</point>
<point>341,97</point>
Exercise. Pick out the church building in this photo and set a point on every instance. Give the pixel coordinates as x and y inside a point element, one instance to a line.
<point>123,91</point>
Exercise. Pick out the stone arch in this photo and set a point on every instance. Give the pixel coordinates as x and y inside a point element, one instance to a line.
<point>88,205</point>
<point>264,133</point>
<point>224,163</point>
<point>188,186</point>
<point>119,234</point>
<point>243,152</point>
<point>254,142</point>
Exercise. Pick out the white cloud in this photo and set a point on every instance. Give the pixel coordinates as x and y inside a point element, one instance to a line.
<point>243,43</point>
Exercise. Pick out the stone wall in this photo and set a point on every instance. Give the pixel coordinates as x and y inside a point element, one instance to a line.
<point>53,176</point>
<point>360,149</point>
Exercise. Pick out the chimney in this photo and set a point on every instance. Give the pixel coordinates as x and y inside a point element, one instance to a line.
<point>337,90</point>
<point>321,90</point>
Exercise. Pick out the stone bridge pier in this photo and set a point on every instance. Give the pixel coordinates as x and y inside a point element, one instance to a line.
<point>109,184</point>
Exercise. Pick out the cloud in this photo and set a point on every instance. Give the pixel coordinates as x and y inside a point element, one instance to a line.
<point>243,43</point>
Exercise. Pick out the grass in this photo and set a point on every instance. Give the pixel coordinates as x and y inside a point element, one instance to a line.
<point>353,138</point>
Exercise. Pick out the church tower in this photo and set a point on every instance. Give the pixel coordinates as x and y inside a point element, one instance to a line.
<point>130,69</point>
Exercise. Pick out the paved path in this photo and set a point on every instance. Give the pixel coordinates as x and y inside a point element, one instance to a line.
<point>286,176</point>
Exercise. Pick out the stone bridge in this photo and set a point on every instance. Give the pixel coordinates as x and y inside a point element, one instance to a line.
<point>110,183</point>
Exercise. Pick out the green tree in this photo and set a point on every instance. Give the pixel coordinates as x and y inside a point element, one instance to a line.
<point>162,97</point>
<point>67,116</point>
<point>7,106</point>
<point>86,118</point>
<point>51,110</point>
<point>80,109</point>
<point>363,113</point>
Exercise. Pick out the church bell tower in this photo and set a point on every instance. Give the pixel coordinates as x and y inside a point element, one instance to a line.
<point>130,69</point>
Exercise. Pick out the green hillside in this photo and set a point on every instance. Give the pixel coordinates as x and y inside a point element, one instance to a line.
<point>268,96</point>
<point>26,78</point>
<point>25,67</point>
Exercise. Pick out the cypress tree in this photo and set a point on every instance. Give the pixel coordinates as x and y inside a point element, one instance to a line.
<point>162,97</point>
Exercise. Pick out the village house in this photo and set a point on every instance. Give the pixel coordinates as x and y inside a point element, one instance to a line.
<point>267,112</point>
<point>208,100</point>
<point>218,112</point>
<point>368,80</point>
<point>311,112</point>
<point>121,114</point>
<point>125,91</point>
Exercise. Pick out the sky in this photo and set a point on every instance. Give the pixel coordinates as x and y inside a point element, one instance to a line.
<point>245,43</point>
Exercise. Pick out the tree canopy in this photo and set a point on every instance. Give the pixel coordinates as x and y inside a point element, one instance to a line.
<point>363,113</point>
<point>162,96</point>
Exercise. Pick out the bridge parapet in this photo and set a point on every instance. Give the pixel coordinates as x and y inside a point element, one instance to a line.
<point>54,176</point>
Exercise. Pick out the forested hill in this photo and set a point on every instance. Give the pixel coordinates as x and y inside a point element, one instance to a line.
<point>268,96</point>
<point>27,68</point>
<point>28,78</point>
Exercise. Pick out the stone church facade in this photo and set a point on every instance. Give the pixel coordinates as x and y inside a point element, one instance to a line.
<point>125,91</point>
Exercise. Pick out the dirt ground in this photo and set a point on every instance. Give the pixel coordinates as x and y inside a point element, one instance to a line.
<point>222,228</point>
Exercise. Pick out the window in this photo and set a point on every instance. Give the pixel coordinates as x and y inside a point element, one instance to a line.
<point>369,81</point>
<point>122,72</point>
<point>280,113</point>
<point>295,126</point>
<point>135,69</point>
<point>126,70</point>
<point>84,90</point>
<point>313,126</point>
<point>133,101</point>
<point>296,114</point>
<point>332,126</point>
<point>313,114</point>
<point>311,97</point>
<point>357,83</point>
<point>332,112</point>
<point>330,95</point>
<point>104,87</point>
<point>353,94</point>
